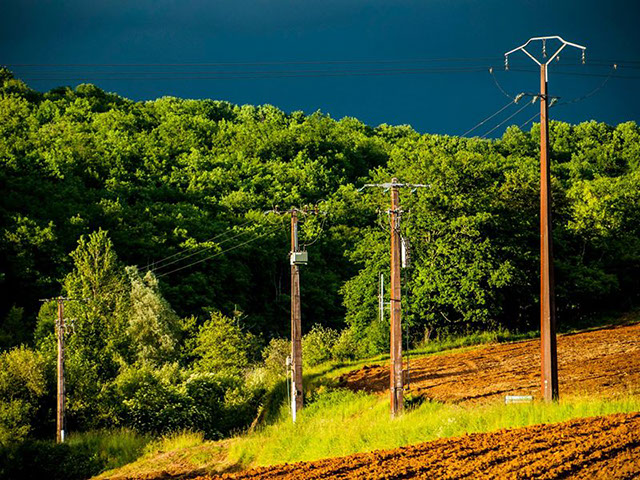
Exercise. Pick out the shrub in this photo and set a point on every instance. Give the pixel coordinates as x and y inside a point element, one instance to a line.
<point>275,358</point>
<point>317,345</point>
<point>222,347</point>
<point>346,346</point>
<point>22,385</point>
<point>153,400</point>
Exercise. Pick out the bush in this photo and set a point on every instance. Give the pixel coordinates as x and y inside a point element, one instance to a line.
<point>45,459</point>
<point>222,347</point>
<point>22,385</point>
<point>317,345</point>
<point>275,359</point>
<point>153,401</point>
<point>376,340</point>
<point>346,346</point>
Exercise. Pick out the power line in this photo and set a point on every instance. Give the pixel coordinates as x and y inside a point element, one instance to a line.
<point>200,251</point>
<point>532,118</point>
<point>261,75</point>
<point>594,91</point>
<point>219,253</point>
<point>264,63</point>
<point>495,80</point>
<point>507,119</point>
<point>594,62</point>
<point>157,263</point>
<point>488,118</point>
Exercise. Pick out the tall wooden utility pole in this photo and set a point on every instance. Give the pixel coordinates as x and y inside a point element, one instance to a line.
<point>395,375</point>
<point>395,380</point>
<point>60,398</point>
<point>549,354</point>
<point>61,330</point>
<point>297,257</point>
<point>296,322</point>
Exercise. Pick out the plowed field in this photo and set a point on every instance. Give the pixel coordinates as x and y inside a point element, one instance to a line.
<point>599,447</point>
<point>602,362</point>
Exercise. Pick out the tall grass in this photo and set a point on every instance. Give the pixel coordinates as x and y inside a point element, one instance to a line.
<point>110,448</point>
<point>341,422</point>
<point>175,441</point>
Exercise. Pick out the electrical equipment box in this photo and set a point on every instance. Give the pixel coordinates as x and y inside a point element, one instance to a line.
<point>405,251</point>
<point>299,258</point>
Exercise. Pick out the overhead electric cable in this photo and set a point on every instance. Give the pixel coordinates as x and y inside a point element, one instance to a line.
<point>204,249</point>
<point>532,118</point>
<point>507,119</point>
<point>162,260</point>
<point>488,118</point>
<point>219,253</point>
<point>595,90</point>
<point>495,80</point>
<point>265,63</point>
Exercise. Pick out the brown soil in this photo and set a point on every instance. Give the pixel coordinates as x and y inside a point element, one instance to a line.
<point>598,447</point>
<point>603,362</point>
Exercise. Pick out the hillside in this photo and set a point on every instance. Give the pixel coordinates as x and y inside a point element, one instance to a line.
<point>164,226</point>
<point>603,362</point>
<point>597,447</point>
<point>460,392</point>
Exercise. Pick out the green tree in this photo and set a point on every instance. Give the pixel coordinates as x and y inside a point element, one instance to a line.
<point>22,387</point>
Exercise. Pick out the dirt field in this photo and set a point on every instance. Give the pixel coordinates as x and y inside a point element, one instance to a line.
<point>599,447</point>
<point>602,362</point>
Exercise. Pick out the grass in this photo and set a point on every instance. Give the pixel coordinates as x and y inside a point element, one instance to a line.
<point>112,448</point>
<point>342,422</point>
<point>178,454</point>
<point>339,422</point>
<point>174,441</point>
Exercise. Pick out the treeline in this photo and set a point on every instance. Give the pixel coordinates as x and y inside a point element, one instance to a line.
<point>112,200</point>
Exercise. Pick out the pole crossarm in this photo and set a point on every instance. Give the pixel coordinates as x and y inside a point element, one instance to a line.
<point>563,45</point>
<point>305,211</point>
<point>64,299</point>
<point>390,185</point>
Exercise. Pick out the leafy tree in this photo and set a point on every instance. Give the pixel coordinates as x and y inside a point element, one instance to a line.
<point>222,347</point>
<point>22,386</point>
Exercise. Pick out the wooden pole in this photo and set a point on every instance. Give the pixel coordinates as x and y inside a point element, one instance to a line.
<point>296,325</point>
<point>396,306</point>
<point>61,393</point>
<point>549,354</point>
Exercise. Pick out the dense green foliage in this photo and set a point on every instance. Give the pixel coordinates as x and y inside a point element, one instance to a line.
<point>114,201</point>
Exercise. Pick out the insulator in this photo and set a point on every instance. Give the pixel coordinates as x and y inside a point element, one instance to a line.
<point>583,57</point>
<point>544,48</point>
<point>506,62</point>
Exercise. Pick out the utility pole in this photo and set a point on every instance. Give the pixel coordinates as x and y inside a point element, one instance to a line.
<point>395,377</point>
<point>297,257</point>
<point>61,329</point>
<point>296,322</point>
<point>60,398</point>
<point>549,354</point>
<point>396,305</point>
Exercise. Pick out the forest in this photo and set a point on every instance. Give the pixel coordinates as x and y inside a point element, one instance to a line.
<point>151,216</point>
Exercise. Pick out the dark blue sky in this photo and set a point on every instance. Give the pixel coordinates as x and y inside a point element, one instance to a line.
<point>191,31</point>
